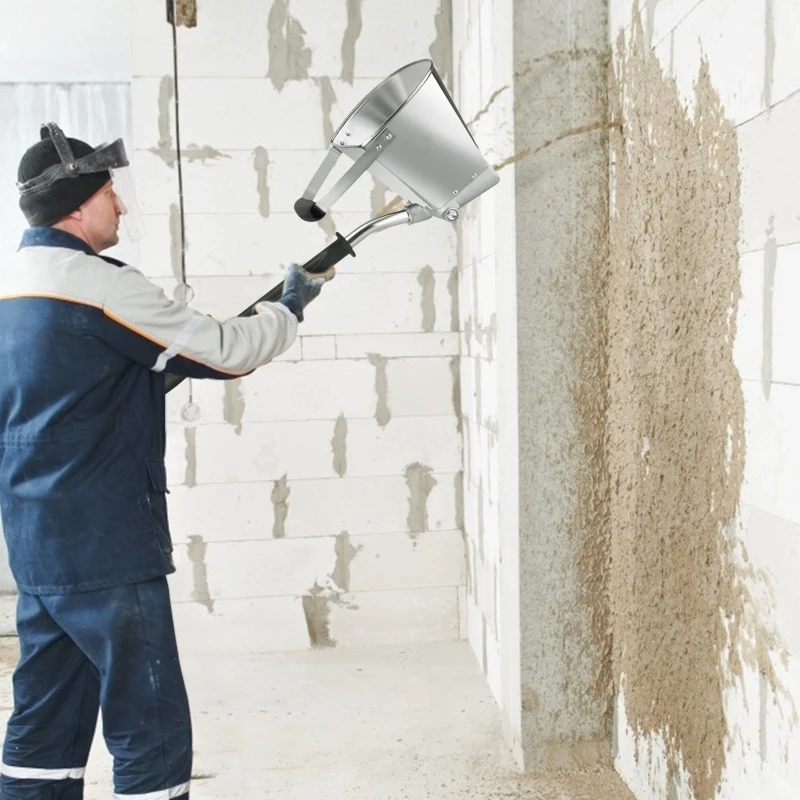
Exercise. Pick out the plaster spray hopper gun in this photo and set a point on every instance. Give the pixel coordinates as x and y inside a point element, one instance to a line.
<point>408,134</point>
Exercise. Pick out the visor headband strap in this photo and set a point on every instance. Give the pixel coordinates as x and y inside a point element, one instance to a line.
<point>62,147</point>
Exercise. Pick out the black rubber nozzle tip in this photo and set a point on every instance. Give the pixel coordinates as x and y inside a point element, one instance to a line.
<point>308,210</point>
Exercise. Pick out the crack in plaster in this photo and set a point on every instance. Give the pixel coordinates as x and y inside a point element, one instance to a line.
<point>280,504</point>
<point>197,556</point>
<point>234,404</point>
<point>339,446</point>
<point>420,482</point>
<point>383,415</point>
<point>770,265</point>
<point>261,166</point>
<point>350,39</point>
<point>190,478</point>
<point>289,58</point>
<point>427,280</point>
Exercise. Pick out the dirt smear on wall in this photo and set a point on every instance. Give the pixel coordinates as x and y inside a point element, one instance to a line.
<point>663,424</point>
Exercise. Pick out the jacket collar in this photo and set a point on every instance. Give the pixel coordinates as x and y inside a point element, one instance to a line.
<point>54,237</point>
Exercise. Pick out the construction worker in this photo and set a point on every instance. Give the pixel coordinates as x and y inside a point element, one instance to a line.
<point>85,341</point>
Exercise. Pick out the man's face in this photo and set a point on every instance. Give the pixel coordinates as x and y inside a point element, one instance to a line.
<point>99,218</point>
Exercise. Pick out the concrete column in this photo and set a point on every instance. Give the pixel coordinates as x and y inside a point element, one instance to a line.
<point>560,63</point>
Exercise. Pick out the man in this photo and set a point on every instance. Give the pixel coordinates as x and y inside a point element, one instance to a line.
<point>85,341</point>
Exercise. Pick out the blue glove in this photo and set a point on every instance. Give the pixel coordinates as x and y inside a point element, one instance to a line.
<point>301,287</point>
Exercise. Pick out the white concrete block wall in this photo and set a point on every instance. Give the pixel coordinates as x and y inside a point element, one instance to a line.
<point>484,69</point>
<point>755,66</point>
<point>316,502</point>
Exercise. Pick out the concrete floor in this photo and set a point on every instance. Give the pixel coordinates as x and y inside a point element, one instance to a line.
<point>408,723</point>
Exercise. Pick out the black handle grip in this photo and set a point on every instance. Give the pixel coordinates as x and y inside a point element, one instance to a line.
<point>338,249</point>
<point>308,210</point>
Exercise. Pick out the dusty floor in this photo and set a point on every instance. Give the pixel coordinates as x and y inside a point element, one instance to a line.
<point>411,723</point>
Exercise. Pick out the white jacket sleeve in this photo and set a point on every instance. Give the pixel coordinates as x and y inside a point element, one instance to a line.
<point>144,324</point>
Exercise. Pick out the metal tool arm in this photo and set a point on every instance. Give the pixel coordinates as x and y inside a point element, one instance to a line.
<point>334,253</point>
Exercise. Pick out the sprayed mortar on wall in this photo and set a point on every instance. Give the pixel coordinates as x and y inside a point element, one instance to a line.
<point>349,40</point>
<point>289,57</point>
<point>184,12</point>
<point>663,567</point>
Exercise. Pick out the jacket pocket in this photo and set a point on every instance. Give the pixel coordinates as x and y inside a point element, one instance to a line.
<point>157,492</point>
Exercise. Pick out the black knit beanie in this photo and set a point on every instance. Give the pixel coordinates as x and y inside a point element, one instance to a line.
<point>52,203</point>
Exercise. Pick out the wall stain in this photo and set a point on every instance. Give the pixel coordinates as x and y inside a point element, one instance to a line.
<point>377,197</point>
<point>261,166</point>
<point>317,612</point>
<point>197,152</point>
<point>339,446</point>
<point>328,225</point>
<point>349,40</point>
<point>383,415</point>
<point>280,504</point>
<point>441,49</point>
<point>176,243</point>
<point>458,482</point>
<point>481,522</point>
<point>420,482</point>
<point>769,53</point>
<point>328,99</point>
<point>345,553</point>
<point>484,645</point>
<point>470,588</point>
<point>452,287</point>
<point>455,372</point>
<point>427,280</point>
<point>166,98</point>
<point>770,265</point>
<point>190,435</point>
<point>289,58</point>
<point>234,404</point>
<point>197,556</point>
<point>680,581</point>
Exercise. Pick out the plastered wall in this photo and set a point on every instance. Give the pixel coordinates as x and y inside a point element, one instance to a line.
<point>702,443</point>
<point>315,503</point>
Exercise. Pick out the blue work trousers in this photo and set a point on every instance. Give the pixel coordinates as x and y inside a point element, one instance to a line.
<point>112,650</point>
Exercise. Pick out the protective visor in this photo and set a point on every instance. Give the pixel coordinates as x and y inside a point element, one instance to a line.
<point>104,158</point>
<point>110,158</point>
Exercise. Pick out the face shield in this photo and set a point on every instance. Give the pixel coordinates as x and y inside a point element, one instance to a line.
<point>110,158</point>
